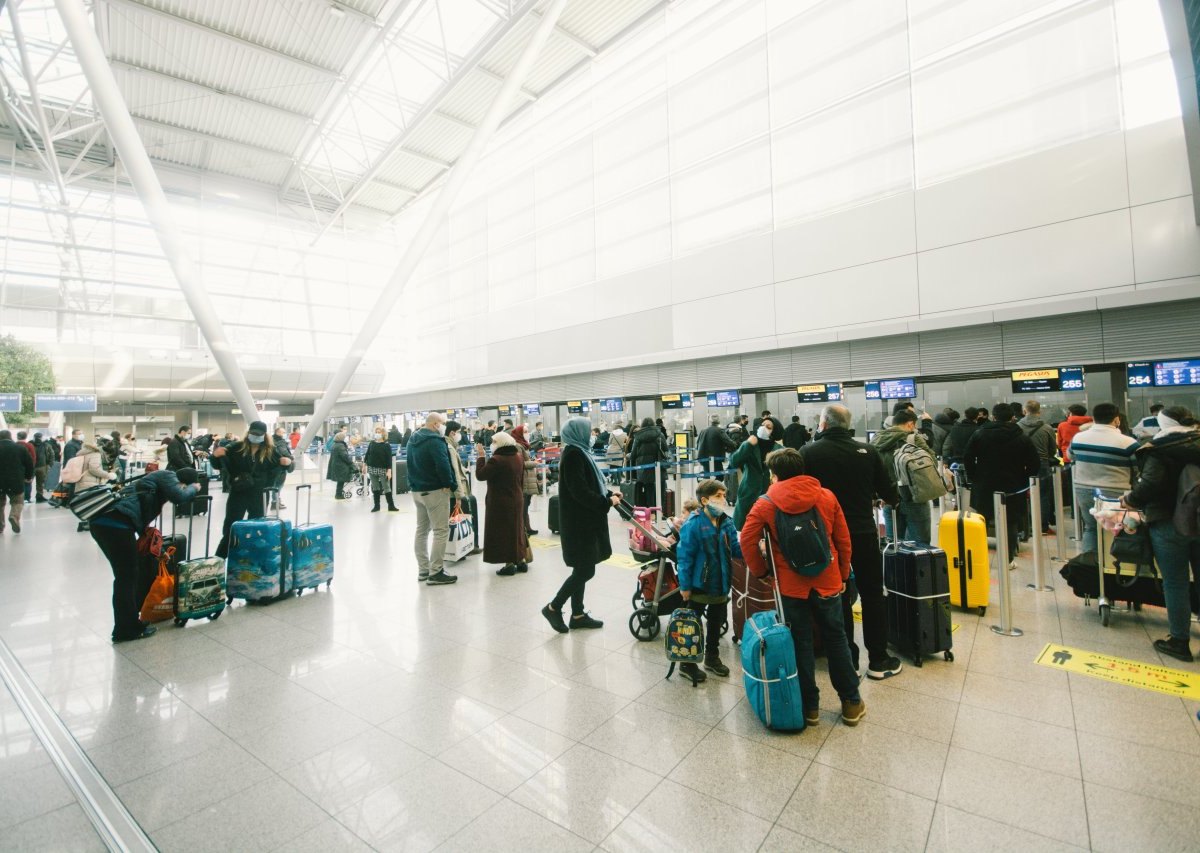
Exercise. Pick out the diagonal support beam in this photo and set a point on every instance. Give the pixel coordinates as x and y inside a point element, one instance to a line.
<point>141,173</point>
<point>458,176</point>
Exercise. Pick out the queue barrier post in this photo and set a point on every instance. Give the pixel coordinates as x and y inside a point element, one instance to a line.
<point>1039,549</point>
<point>1005,628</point>
<point>1060,516</point>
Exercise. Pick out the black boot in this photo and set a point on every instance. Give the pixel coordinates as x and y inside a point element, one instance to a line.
<point>391,504</point>
<point>376,496</point>
<point>692,673</point>
<point>713,664</point>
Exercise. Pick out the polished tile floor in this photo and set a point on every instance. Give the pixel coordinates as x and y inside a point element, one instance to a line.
<point>386,715</point>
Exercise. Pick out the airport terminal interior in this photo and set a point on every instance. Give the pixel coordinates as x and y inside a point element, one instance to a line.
<point>616,425</point>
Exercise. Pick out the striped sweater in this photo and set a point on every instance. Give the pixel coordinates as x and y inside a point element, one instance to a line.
<point>1103,457</point>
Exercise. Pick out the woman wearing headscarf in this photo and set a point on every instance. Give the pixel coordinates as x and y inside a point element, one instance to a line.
<point>749,460</point>
<point>584,502</point>
<point>647,446</point>
<point>252,465</point>
<point>504,539</point>
<point>529,473</point>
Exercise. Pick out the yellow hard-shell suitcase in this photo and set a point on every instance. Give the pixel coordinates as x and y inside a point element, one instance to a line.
<point>963,536</point>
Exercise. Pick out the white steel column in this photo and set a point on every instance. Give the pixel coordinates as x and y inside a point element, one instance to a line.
<point>129,145</point>
<point>441,206</point>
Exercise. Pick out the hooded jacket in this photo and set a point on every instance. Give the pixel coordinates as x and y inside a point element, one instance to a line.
<point>648,446</point>
<point>1156,490</point>
<point>942,424</point>
<point>94,472</point>
<point>795,436</point>
<point>794,496</point>
<point>854,472</point>
<point>956,442</point>
<point>1045,440</point>
<point>70,449</point>
<point>394,436</point>
<point>888,441</point>
<point>705,545</point>
<point>340,468</point>
<point>16,468</point>
<point>1000,458</point>
<point>142,500</point>
<point>429,462</point>
<point>1067,430</point>
<point>753,479</point>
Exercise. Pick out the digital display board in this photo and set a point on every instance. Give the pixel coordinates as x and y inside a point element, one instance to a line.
<point>1047,379</point>
<point>1139,374</point>
<point>506,411</point>
<point>10,402</point>
<point>1168,374</point>
<point>891,389</point>
<point>820,392</point>
<point>676,401</point>
<point>472,413</point>
<point>579,407</point>
<point>64,403</point>
<point>532,408</point>
<point>724,399</point>
<point>612,404</point>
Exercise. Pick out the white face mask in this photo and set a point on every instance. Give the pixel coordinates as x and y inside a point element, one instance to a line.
<point>441,429</point>
<point>763,434</point>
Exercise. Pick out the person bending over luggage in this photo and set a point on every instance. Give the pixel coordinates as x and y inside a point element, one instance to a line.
<point>584,502</point>
<point>707,546</point>
<point>504,538</point>
<point>252,465</point>
<point>807,598</point>
<point>379,469</point>
<point>1173,522</point>
<point>117,532</point>
<point>749,460</point>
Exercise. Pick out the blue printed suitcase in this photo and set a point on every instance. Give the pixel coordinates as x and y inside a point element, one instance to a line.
<point>312,550</point>
<point>259,565</point>
<point>769,669</point>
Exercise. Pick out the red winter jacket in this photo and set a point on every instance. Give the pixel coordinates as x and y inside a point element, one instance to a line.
<point>1067,430</point>
<point>794,496</point>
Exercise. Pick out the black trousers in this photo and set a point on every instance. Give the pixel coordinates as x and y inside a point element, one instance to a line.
<point>240,505</point>
<point>119,546</point>
<point>714,616</point>
<point>868,580</point>
<point>573,587</point>
<point>716,467</point>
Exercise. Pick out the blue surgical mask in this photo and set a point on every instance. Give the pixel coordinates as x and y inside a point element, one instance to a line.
<point>713,510</point>
<point>254,438</point>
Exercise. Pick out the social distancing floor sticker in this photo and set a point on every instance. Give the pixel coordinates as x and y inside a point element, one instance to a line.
<point>623,561</point>
<point>539,542</point>
<point>1161,679</point>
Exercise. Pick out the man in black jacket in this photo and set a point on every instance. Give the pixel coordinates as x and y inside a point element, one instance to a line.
<point>712,446</point>
<point>1001,458</point>
<point>179,451</point>
<point>854,472</point>
<point>73,446</point>
<point>795,435</point>
<point>16,470</point>
<point>956,442</point>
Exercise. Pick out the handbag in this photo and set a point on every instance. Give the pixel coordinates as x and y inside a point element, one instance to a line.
<point>94,501</point>
<point>150,543</point>
<point>1133,547</point>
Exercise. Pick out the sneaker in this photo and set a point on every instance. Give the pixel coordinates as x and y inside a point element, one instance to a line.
<point>1048,530</point>
<point>812,716</point>
<point>148,631</point>
<point>16,525</point>
<point>507,571</point>
<point>585,621</point>
<point>474,551</point>
<point>554,617</point>
<point>692,673</point>
<point>885,668</point>
<point>441,579</point>
<point>393,509</point>
<point>1176,648</point>
<point>422,577</point>
<point>715,666</point>
<point>531,532</point>
<point>376,509</point>
<point>852,712</point>
<point>522,568</point>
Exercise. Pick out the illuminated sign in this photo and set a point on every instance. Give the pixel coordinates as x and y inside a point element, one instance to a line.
<point>891,389</point>
<point>532,408</point>
<point>612,404</point>
<point>1172,373</point>
<point>10,402</point>
<point>1140,374</point>
<point>820,392</point>
<point>724,399</point>
<point>676,401</point>
<point>1047,379</point>
<point>579,407</point>
<point>64,403</point>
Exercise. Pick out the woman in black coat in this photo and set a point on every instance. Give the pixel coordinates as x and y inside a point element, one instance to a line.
<point>584,502</point>
<point>252,466</point>
<point>648,446</point>
<point>504,538</point>
<point>341,467</point>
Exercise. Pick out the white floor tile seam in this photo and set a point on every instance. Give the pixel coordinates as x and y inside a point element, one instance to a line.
<point>464,829</point>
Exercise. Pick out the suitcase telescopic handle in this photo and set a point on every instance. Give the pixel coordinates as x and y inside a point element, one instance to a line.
<point>308,488</point>
<point>774,577</point>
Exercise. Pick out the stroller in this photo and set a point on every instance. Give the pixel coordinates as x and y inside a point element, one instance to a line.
<point>657,591</point>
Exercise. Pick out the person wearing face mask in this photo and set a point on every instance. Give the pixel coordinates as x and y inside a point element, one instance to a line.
<point>431,478</point>
<point>252,465</point>
<point>179,452</point>
<point>341,467</point>
<point>708,544</point>
<point>379,469</point>
<point>284,448</point>
<point>749,461</point>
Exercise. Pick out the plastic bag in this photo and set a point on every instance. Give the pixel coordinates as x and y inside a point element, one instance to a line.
<point>160,602</point>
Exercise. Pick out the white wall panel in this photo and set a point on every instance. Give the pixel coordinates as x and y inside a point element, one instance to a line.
<point>510,210</point>
<point>722,198</point>
<point>633,292</point>
<point>1158,165</point>
<point>569,308</point>
<point>1069,257</point>
<point>867,293</point>
<point>566,254</point>
<point>1078,179</point>
<point>719,107</point>
<point>563,184</point>
<point>632,150</point>
<point>869,232</point>
<point>937,25</point>
<point>507,321</point>
<point>736,265</point>
<point>709,30</point>
<point>729,317</point>
<point>512,270</point>
<point>1166,242</point>
<point>634,232</point>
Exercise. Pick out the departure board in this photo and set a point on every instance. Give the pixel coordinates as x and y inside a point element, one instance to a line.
<point>579,407</point>
<point>612,404</point>
<point>532,408</point>
<point>820,392</point>
<point>892,389</point>
<point>1139,374</point>
<point>724,399</point>
<point>10,402</point>
<point>1047,379</point>
<point>676,401</point>
<point>1168,374</point>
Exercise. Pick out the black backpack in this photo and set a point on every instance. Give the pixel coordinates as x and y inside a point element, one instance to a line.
<point>803,540</point>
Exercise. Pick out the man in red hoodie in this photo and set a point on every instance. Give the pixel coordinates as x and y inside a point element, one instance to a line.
<point>807,599</point>
<point>1077,419</point>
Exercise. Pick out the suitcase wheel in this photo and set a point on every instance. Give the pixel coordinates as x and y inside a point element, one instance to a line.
<point>329,583</point>
<point>1105,609</point>
<point>948,656</point>
<point>299,592</point>
<point>179,623</point>
<point>918,662</point>
<point>216,615</point>
<point>983,610</point>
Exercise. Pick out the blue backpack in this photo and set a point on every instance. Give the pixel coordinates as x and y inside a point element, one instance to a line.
<point>803,540</point>
<point>685,636</point>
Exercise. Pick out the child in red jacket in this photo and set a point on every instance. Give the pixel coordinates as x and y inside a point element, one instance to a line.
<point>807,599</point>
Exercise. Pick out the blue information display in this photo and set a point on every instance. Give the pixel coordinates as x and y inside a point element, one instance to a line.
<point>472,413</point>
<point>820,392</point>
<point>532,408</point>
<point>676,401</point>
<point>64,403</point>
<point>724,399</point>
<point>892,389</point>
<point>10,402</point>
<point>612,404</point>
<point>1139,374</point>
<point>1168,374</point>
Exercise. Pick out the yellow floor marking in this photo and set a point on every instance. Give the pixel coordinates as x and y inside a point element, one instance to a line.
<point>856,608</point>
<point>623,561</point>
<point>1161,679</point>
<point>539,542</point>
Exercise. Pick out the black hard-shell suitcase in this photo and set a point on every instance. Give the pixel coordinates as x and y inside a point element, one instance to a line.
<point>918,600</point>
<point>400,476</point>
<point>552,514</point>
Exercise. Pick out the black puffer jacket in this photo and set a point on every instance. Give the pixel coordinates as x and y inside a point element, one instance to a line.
<point>649,445</point>
<point>714,441</point>
<point>1000,458</point>
<point>853,471</point>
<point>955,444</point>
<point>16,467</point>
<point>942,424</point>
<point>1161,461</point>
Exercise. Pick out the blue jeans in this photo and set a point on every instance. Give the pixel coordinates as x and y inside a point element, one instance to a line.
<point>1085,500</point>
<point>914,520</point>
<point>827,613</point>
<point>1173,553</point>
